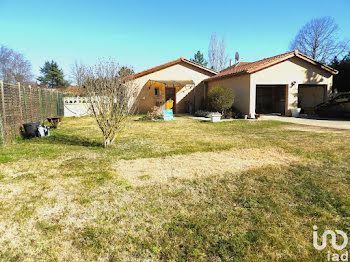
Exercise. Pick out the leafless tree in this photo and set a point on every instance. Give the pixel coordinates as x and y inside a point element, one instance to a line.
<point>319,39</point>
<point>111,97</point>
<point>14,67</point>
<point>217,53</point>
<point>77,73</point>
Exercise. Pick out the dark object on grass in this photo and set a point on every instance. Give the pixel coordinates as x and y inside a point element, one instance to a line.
<point>236,113</point>
<point>54,121</point>
<point>202,113</point>
<point>149,118</point>
<point>232,112</point>
<point>227,114</point>
<point>31,129</point>
<point>339,106</point>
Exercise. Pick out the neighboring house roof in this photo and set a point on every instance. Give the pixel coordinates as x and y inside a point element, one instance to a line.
<point>174,62</point>
<point>252,67</point>
<point>235,65</point>
<point>76,90</point>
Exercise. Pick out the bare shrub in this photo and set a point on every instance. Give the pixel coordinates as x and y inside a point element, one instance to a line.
<point>110,96</point>
<point>156,113</point>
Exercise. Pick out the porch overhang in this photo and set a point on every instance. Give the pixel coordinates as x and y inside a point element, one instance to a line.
<point>170,83</point>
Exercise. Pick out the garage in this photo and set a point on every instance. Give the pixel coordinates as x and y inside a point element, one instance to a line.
<point>276,85</point>
<point>270,99</point>
<point>311,95</point>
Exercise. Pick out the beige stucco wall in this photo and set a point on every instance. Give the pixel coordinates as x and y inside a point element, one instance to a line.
<point>240,87</point>
<point>286,73</point>
<point>146,100</point>
<point>292,72</point>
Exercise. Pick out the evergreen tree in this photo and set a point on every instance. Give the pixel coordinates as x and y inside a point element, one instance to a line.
<point>335,62</point>
<point>342,79</point>
<point>52,75</point>
<point>125,71</point>
<point>199,58</point>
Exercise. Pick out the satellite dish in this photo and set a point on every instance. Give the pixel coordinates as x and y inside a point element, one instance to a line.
<point>237,57</point>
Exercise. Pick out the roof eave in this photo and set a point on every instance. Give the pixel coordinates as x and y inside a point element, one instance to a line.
<point>297,54</point>
<point>226,76</point>
<point>323,66</point>
<point>171,63</point>
<point>198,65</point>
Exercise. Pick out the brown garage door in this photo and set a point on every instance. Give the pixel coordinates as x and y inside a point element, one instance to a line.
<point>270,99</point>
<point>311,95</point>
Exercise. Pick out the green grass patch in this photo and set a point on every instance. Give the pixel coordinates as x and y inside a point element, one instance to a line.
<point>67,201</point>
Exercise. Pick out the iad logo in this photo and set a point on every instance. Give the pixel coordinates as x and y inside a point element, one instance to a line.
<point>335,256</point>
<point>333,239</point>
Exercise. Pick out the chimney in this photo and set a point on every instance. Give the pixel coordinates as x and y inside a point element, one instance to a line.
<point>230,62</point>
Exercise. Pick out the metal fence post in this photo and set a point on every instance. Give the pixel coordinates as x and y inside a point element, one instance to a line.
<point>31,104</point>
<point>25,103</point>
<point>2,131</point>
<point>41,104</point>
<point>20,101</point>
<point>50,106</point>
<point>57,105</point>
<point>3,105</point>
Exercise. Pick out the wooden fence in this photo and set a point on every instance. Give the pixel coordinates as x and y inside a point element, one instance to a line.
<point>23,104</point>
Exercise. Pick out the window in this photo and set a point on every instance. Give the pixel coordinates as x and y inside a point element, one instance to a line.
<point>156,92</point>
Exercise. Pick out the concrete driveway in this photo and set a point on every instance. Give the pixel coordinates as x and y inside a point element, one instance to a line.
<point>328,123</point>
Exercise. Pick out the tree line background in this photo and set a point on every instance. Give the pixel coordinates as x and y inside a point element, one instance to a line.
<point>319,39</point>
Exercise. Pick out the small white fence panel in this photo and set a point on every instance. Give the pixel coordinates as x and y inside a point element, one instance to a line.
<point>76,106</point>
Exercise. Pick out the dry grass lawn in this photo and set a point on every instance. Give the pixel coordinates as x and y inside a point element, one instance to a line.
<point>199,164</point>
<point>173,191</point>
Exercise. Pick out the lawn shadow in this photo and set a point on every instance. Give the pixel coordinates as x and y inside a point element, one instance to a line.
<point>72,140</point>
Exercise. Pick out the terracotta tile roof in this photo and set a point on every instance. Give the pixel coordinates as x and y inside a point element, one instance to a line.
<point>174,62</point>
<point>76,90</point>
<point>239,64</point>
<point>251,67</point>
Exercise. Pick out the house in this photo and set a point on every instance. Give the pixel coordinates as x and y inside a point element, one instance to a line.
<point>180,80</point>
<point>275,84</point>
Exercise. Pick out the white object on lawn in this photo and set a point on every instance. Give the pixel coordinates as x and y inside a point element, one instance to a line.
<point>216,117</point>
<point>43,131</point>
<point>296,112</point>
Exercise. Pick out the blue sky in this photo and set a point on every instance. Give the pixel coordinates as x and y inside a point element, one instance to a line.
<point>143,34</point>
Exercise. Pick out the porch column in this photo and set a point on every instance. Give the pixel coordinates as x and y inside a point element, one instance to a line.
<point>252,97</point>
<point>292,98</point>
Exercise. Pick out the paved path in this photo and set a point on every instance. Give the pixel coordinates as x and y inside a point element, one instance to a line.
<point>338,124</point>
<point>208,119</point>
<point>333,123</point>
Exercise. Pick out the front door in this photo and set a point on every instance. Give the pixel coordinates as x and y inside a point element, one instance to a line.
<point>170,93</point>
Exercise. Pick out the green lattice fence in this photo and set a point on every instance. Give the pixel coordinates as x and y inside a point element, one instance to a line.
<point>23,104</point>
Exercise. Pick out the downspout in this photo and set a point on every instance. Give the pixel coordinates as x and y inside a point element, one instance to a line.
<point>194,99</point>
<point>205,95</point>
